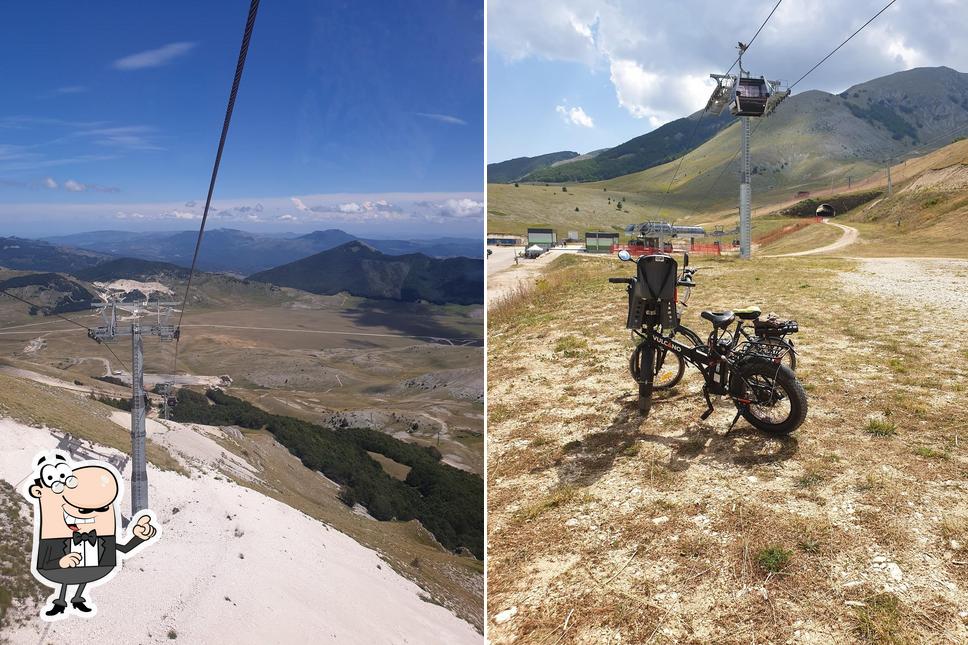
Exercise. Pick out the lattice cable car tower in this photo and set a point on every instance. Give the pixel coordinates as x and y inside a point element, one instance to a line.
<point>151,319</point>
<point>747,97</point>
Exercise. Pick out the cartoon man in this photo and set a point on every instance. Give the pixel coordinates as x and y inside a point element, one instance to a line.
<point>76,519</point>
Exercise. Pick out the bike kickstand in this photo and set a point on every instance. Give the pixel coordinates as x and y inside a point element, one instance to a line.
<point>735,419</point>
<point>709,404</point>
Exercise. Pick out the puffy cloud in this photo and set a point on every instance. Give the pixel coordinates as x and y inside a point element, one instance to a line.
<point>298,203</point>
<point>659,61</point>
<point>575,116</point>
<point>74,186</point>
<point>154,57</point>
<point>49,182</point>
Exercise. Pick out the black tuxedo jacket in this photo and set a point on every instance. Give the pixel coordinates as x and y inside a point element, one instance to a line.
<point>51,550</point>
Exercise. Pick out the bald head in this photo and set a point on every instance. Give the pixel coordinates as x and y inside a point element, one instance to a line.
<point>86,506</point>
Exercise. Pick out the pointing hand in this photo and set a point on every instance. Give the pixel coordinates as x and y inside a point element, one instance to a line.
<point>143,528</point>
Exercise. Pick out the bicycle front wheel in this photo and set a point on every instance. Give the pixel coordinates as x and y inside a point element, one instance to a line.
<point>667,367</point>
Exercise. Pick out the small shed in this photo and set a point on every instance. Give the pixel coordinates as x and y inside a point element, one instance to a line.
<point>543,237</point>
<point>600,242</point>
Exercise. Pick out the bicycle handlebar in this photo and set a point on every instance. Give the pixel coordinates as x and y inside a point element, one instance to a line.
<point>621,280</point>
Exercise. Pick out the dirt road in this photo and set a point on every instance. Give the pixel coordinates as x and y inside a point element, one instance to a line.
<point>849,237</point>
<point>506,276</point>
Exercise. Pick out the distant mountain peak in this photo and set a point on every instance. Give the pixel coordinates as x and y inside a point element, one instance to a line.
<point>360,270</point>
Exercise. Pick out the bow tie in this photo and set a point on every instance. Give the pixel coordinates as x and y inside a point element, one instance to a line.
<point>90,536</point>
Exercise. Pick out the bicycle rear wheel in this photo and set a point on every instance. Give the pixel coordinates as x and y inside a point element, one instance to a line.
<point>769,396</point>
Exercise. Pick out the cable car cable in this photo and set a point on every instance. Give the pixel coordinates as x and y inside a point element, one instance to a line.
<point>70,320</point>
<point>822,60</point>
<point>699,120</point>
<point>755,35</point>
<point>834,51</point>
<point>239,67</point>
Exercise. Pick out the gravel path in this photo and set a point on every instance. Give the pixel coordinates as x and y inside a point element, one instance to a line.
<point>937,285</point>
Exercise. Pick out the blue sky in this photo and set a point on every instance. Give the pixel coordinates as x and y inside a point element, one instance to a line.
<point>112,112</point>
<point>587,74</point>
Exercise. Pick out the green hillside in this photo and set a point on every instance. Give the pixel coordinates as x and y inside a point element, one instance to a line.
<point>506,172</point>
<point>659,146</point>
<point>814,141</point>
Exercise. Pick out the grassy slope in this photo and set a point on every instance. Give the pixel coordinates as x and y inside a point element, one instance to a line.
<point>929,202</point>
<point>679,524</point>
<point>927,212</point>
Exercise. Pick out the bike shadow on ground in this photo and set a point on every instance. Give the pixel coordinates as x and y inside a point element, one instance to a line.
<point>584,462</point>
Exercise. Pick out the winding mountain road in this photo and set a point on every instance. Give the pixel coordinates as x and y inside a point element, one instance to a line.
<point>849,237</point>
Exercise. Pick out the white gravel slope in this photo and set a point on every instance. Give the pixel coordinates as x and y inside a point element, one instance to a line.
<point>233,566</point>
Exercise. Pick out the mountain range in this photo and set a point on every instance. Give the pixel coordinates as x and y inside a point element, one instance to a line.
<point>360,270</point>
<point>809,134</point>
<point>239,252</point>
<point>507,172</point>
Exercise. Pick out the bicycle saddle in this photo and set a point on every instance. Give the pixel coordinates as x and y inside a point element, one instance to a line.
<point>748,313</point>
<point>719,318</point>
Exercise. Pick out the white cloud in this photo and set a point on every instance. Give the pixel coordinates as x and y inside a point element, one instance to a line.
<point>134,137</point>
<point>443,118</point>
<point>49,182</point>
<point>575,116</point>
<point>77,187</point>
<point>154,57</point>
<point>448,212</point>
<point>658,61</point>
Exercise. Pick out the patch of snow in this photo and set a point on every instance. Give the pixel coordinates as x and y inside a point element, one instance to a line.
<point>268,574</point>
<point>193,445</point>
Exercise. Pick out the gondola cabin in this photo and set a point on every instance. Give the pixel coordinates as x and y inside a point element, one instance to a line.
<point>751,97</point>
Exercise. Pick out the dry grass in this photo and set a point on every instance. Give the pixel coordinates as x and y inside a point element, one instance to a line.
<point>669,530</point>
<point>44,406</point>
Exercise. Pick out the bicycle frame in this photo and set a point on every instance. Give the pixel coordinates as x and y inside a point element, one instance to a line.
<point>707,359</point>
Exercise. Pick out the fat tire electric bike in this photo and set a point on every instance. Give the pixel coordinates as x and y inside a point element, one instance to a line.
<point>765,391</point>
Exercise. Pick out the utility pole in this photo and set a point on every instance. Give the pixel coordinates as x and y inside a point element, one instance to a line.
<point>890,185</point>
<point>109,332</point>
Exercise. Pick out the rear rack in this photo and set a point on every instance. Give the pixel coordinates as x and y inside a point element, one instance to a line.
<point>774,327</point>
<point>770,351</point>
